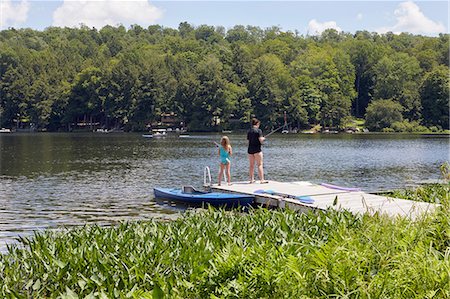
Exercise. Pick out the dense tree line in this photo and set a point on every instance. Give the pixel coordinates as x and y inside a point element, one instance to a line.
<point>213,78</point>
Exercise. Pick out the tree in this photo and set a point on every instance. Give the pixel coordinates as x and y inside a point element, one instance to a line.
<point>113,38</point>
<point>332,74</point>
<point>186,30</point>
<point>121,76</point>
<point>264,89</point>
<point>392,74</point>
<point>364,54</point>
<point>9,104</point>
<point>434,93</point>
<point>238,34</point>
<point>310,99</point>
<point>241,63</point>
<point>216,98</point>
<point>279,48</point>
<point>85,99</point>
<point>207,33</point>
<point>121,93</point>
<point>331,36</point>
<point>155,90</point>
<point>410,100</point>
<point>382,114</point>
<point>428,59</point>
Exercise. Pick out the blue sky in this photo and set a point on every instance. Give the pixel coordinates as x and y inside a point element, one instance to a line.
<point>307,17</point>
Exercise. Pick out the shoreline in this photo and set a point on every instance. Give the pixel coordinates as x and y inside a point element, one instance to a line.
<point>232,133</point>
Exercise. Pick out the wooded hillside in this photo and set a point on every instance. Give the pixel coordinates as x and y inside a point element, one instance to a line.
<point>214,78</point>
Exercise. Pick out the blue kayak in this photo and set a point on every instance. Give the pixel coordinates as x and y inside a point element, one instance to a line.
<point>193,196</point>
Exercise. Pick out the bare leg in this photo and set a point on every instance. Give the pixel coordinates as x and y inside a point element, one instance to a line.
<point>228,170</point>
<point>259,163</point>
<point>220,173</point>
<point>251,171</point>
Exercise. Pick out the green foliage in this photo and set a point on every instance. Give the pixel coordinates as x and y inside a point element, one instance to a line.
<point>207,33</point>
<point>434,193</point>
<point>435,97</point>
<point>393,73</point>
<point>269,77</point>
<point>230,254</point>
<point>445,171</point>
<point>121,77</point>
<point>364,54</point>
<point>325,81</point>
<point>383,114</point>
<point>411,127</point>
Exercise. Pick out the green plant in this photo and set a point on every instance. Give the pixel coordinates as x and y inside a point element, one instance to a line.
<point>411,127</point>
<point>387,130</point>
<point>433,193</point>
<point>445,171</point>
<point>230,254</point>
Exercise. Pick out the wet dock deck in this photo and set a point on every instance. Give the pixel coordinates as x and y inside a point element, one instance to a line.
<point>290,194</point>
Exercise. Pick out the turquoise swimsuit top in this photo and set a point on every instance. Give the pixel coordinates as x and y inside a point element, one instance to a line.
<point>224,156</point>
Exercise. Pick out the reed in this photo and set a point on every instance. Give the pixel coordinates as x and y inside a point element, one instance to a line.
<point>229,254</point>
<point>432,193</point>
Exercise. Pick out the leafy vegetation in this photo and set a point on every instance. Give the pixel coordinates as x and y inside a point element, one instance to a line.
<point>428,193</point>
<point>432,193</point>
<point>228,254</point>
<point>383,114</point>
<point>63,78</point>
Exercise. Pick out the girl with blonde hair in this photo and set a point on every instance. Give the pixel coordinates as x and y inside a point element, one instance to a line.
<point>225,152</point>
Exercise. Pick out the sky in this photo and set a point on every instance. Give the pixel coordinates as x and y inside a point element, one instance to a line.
<point>306,17</point>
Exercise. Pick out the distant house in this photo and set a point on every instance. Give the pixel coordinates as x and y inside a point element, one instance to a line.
<point>168,120</point>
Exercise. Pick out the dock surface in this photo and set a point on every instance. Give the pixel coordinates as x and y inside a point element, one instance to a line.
<point>296,195</point>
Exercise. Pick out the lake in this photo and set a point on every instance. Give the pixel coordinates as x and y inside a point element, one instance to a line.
<point>54,180</point>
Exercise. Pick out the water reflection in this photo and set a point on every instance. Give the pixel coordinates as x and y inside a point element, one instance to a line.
<point>54,180</point>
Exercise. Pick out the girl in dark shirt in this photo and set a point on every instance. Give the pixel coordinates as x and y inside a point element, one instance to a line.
<point>255,139</point>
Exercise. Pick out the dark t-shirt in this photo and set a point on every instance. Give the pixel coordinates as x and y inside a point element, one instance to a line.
<point>254,146</point>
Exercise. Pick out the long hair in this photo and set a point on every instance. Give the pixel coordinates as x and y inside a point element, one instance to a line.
<point>225,142</point>
<point>255,121</point>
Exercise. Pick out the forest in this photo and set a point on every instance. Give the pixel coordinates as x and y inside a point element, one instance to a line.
<point>212,78</point>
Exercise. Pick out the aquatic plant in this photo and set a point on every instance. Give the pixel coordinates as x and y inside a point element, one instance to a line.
<point>433,193</point>
<point>229,254</point>
<point>445,171</point>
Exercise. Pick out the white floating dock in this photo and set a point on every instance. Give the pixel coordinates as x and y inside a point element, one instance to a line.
<point>325,198</point>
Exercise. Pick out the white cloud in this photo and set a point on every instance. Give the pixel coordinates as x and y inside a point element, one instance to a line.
<point>411,19</point>
<point>98,13</point>
<point>359,16</point>
<point>315,27</point>
<point>13,13</point>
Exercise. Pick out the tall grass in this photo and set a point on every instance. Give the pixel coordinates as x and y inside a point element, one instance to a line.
<point>228,254</point>
<point>432,193</point>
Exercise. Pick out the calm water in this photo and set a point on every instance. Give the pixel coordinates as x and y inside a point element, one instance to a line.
<point>56,180</point>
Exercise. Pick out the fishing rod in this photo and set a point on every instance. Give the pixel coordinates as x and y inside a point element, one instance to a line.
<point>285,125</point>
